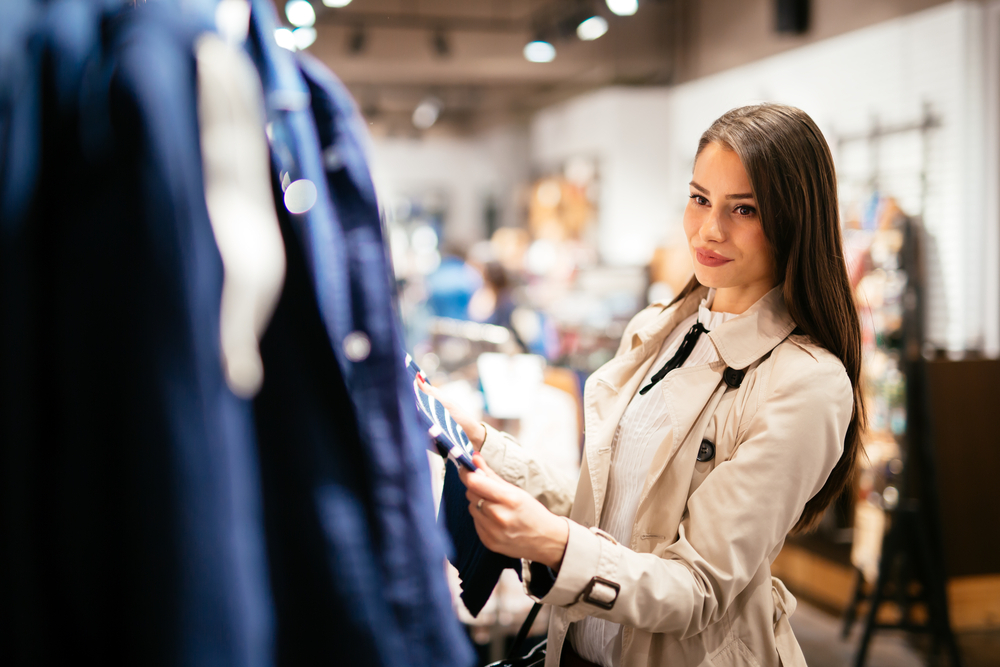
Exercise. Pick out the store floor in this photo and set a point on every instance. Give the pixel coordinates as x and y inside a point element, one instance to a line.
<point>818,633</point>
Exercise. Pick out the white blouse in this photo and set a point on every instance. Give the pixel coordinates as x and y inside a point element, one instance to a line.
<point>644,425</point>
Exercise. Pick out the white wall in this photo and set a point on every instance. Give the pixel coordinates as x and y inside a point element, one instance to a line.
<point>465,170</point>
<point>646,141</point>
<point>625,130</point>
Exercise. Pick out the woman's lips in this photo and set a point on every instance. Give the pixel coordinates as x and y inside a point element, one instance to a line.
<point>709,258</point>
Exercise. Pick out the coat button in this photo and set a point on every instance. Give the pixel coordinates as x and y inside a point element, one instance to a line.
<point>706,452</point>
<point>357,347</point>
<point>733,377</point>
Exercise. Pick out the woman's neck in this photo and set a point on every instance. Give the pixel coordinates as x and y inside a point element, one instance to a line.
<point>737,300</point>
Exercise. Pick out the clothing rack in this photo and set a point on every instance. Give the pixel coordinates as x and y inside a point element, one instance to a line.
<point>912,548</point>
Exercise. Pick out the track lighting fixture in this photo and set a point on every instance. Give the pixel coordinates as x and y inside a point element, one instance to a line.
<point>356,41</point>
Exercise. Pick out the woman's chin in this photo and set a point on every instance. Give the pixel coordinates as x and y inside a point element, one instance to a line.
<point>710,278</point>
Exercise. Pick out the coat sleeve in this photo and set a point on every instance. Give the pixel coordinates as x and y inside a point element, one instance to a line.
<point>552,487</point>
<point>738,516</point>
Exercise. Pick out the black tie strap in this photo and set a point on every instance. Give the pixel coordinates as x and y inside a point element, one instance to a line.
<point>680,356</point>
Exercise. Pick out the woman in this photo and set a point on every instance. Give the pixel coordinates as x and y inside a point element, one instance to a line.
<point>702,451</point>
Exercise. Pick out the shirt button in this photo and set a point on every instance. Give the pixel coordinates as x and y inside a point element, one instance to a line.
<point>357,347</point>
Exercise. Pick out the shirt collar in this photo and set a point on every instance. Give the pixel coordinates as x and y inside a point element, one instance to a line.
<point>709,319</point>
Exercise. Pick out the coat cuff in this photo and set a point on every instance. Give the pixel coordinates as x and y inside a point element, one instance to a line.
<point>504,455</point>
<point>587,576</point>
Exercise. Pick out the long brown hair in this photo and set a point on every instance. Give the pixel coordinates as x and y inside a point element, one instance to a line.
<point>794,184</point>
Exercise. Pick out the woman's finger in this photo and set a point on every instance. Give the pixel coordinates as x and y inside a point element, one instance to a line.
<point>492,489</point>
<point>480,462</point>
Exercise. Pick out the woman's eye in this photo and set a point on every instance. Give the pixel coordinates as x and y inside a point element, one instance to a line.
<point>745,210</point>
<point>698,199</point>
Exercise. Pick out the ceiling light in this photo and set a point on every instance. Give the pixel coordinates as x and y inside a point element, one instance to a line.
<point>300,13</point>
<point>304,37</point>
<point>539,51</point>
<point>336,3</point>
<point>426,113</point>
<point>592,28</point>
<point>285,38</point>
<point>623,7</point>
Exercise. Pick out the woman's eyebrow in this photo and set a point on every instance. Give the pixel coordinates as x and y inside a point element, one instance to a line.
<point>747,195</point>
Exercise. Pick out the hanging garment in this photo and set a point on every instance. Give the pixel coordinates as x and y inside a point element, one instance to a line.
<point>355,552</point>
<point>130,520</point>
<point>479,569</point>
<point>237,173</point>
<point>448,437</point>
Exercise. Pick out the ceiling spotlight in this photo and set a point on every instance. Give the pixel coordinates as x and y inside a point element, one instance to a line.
<point>356,41</point>
<point>304,38</point>
<point>623,7</point>
<point>539,51</point>
<point>592,28</point>
<point>284,38</point>
<point>427,112</point>
<point>336,4</point>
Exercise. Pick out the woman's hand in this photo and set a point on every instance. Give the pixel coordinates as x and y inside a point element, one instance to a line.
<point>475,430</point>
<point>511,522</point>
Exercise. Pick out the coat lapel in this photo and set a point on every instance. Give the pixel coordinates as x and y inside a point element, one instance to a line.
<point>610,388</point>
<point>692,395</point>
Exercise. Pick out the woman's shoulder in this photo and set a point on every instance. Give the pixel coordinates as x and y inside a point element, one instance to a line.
<point>801,362</point>
<point>806,350</point>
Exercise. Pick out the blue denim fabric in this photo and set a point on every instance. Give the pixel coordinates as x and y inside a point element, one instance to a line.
<point>130,519</point>
<point>355,551</point>
<point>411,547</point>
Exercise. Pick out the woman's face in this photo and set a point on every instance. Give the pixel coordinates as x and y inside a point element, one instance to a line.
<point>727,242</point>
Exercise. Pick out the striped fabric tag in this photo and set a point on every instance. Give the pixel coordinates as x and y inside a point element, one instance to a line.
<point>449,438</point>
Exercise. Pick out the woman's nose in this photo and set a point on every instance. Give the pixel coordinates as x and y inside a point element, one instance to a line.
<point>711,227</point>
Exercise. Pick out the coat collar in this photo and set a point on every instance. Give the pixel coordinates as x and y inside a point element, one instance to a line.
<point>745,339</point>
<point>740,341</point>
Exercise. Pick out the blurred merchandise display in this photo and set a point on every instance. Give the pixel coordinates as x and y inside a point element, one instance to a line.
<point>509,328</point>
<point>897,546</point>
<point>874,247</point>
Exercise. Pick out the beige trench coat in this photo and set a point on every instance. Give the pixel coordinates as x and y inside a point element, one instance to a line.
<point>694,587</point>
